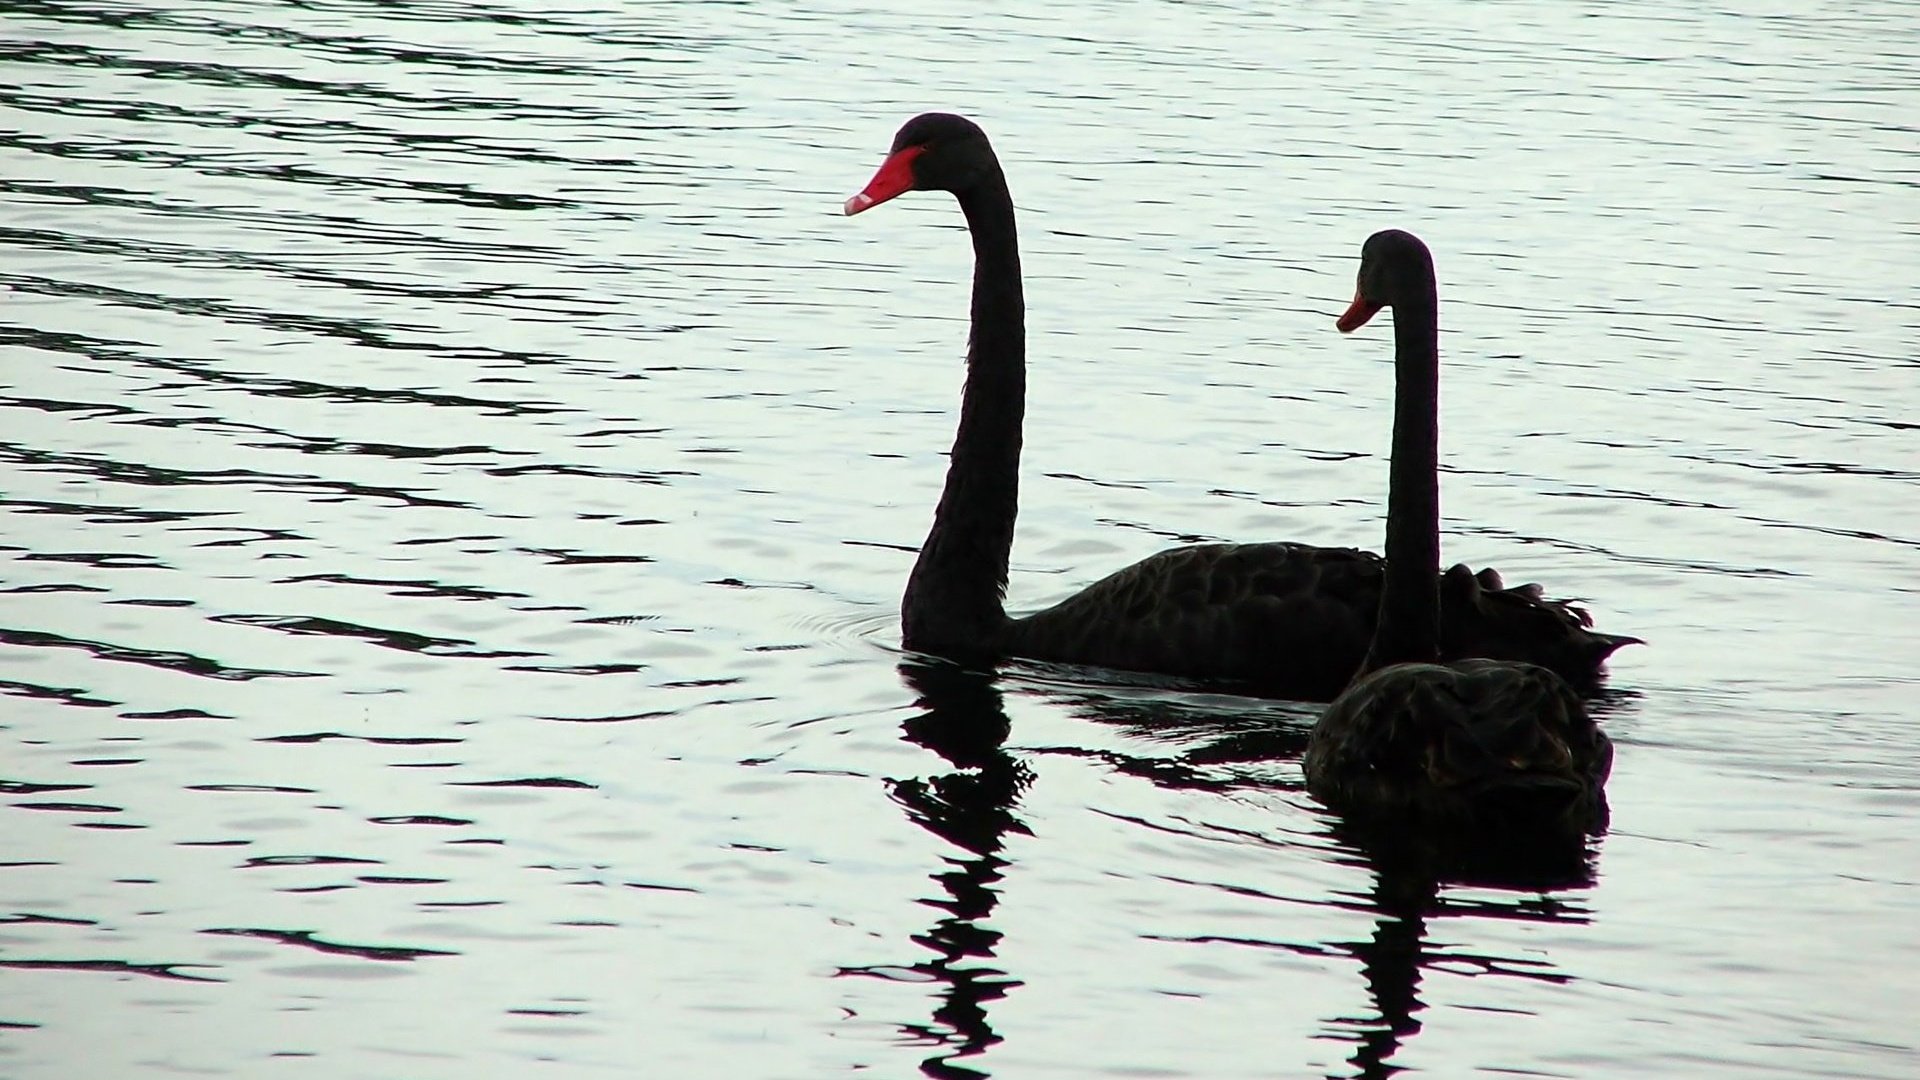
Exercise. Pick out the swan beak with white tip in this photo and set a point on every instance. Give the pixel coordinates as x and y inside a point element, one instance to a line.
<point>1356,316</point>
<point>894,178</point>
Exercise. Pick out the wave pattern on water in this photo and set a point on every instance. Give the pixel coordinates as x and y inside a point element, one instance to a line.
<point>457,469</point>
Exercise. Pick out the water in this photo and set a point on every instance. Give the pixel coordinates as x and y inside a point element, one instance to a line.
<point>460,470</point>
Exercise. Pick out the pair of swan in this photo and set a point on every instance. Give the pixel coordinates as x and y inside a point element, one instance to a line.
<point>1292,620</point>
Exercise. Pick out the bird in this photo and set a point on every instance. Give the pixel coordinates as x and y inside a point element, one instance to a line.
<point>1274,619</point>
<point>1473,747</point>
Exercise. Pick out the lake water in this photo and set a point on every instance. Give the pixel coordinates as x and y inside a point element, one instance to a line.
<point>460,468</point>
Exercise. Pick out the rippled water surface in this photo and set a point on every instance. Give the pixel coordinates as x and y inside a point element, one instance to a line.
<point>460,468</point>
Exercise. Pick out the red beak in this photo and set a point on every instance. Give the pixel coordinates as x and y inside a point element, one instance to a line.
<point>1357,314</point>
<point>894,178</point>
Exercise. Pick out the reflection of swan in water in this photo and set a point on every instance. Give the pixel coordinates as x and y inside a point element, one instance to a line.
<point>1242,750</point>
<point>971,808</point>
<point>1407,895</point>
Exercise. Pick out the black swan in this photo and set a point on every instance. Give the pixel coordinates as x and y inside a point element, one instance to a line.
<point>1287,620</point>
<point>1473,744</point>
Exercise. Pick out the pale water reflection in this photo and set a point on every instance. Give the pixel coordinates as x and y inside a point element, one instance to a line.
<point>457,469</point>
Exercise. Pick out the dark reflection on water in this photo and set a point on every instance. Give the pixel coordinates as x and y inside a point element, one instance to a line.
<point>1407,896</point>
<point>1224,746</point>
<point>305,939</point>
<point>171,660</point>
<point>457,473</point>
<point>113,967</point>
<point>971,808</point>
<point>1207,730</point>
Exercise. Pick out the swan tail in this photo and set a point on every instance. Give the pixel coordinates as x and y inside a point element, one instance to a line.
<point>1482,616</point>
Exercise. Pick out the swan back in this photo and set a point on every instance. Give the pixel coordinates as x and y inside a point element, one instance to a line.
<point>1481,745</point>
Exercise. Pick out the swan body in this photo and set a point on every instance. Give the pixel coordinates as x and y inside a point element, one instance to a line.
<point>1290,620</point>
<point>1470,746</point>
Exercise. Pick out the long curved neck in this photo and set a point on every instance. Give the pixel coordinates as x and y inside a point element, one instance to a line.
<point>953,598</point>
<point>1409,625</point>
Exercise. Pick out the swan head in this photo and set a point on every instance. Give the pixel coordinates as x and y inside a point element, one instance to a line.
<point>931,152</point>
<point>1395,268</point>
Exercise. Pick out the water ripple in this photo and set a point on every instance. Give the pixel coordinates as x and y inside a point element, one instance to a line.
<point>458,470</point>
